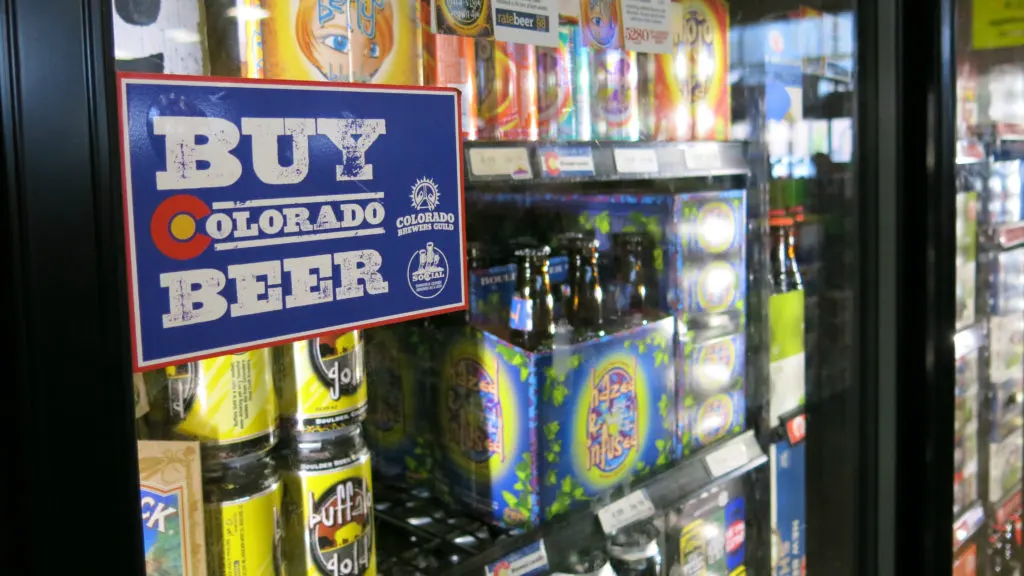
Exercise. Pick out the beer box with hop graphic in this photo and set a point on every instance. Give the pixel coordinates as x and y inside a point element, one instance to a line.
<point>486,409</point>
<point>707,535</point>
<point>711,404</point>
<point>698,241</point>
<point>605,414</point>
<point>171,497</point>
<point>399,426</point>
<point>527,435</point>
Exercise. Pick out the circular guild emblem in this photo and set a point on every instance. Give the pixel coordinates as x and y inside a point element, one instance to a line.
<point>427,272</point>
<point>425,195</point>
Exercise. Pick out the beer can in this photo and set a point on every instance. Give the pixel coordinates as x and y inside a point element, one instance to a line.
<point>322,382</point>
<point>464,18</point>
<point>308,40</point>
<point>507,90</point>
<point>234,33</point>
<point>673,116</point>
<point>243,518</point>
<point>614,94</point>
<point>451,61</point>
<point>228,403</point>
<point>329,506</point>
<point>555,94</point>
<point>601,22</point>
<point>386,43</point>
<point>707,34</point>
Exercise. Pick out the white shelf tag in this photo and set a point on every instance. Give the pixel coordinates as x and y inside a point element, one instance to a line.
<point>702,157</point>
<point>726,459</point>
<point>625,511</point>
<point>636,161</point>
<point>514,162</point>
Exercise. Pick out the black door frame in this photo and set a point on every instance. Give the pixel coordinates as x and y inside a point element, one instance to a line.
<point>74,446</point>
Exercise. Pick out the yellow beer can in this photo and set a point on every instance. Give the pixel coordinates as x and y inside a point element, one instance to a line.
<point>322,383</point>
<point>329,507</point>
<point>244,518</point>
<point>228,403</point>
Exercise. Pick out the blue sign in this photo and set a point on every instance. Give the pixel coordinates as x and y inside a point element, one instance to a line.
<point>260,212</point>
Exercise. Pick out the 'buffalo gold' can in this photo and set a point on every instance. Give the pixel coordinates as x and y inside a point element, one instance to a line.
<point>322,382</point>
<point>228,403</point>
<point>329,507</point>
<point>244,519</point>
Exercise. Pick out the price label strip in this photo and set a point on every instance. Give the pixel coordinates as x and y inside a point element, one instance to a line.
<point>636,160</point>
<point>702,157</point>
<point>531,560</point>
<point>635,507</point>
<point>511,162</point>
<point>726,459</point>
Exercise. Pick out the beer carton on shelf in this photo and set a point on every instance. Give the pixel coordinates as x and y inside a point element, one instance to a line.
<point>398,426</point>
<point>711,403</point>
<point>529,435</point>
<point>171,487</point>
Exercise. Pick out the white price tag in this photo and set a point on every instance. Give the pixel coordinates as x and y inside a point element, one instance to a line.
<point>501,162</point>
<point>632,508</point>
<point>514,162</point>
<point>726,459</point>
<point>702,157</point>
<point>636,161</point>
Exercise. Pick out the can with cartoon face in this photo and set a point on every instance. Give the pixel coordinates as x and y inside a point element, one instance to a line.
<point>322,383</point>
<point>227,403</point>
<point>243,517</point>
<point>329,506</point>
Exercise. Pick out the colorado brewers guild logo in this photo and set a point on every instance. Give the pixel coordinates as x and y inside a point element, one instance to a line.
<point>425,200</point>
<point>612,419</point>
<point>427,272</point>
<point>341,529</point>
<point>425,195</point>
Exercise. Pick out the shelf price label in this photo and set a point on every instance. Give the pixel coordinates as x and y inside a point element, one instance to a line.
<point>635,507</point>
<point>702,157</point>
<point>531,560</point>
<point>511,162</point>
<point>636,160</point>
<point>726,459</point>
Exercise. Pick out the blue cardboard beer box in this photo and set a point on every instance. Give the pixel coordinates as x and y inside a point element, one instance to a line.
<point>711,401</point>
<point>531,435</point>
<point>399,428</point>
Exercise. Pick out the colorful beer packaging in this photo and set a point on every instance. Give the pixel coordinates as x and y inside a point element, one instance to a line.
<point>243,516</point>
<point>707,535</point>
<point>374,41</point>
<point>614,94</point>
<point>309,40</point>
<point>673,113</point>
<point>601,22</point>
<point>712,401</point>
<point>556,91</point>
<point>386,42</point>
<point>464,17</point>
<point>322,383</point>
<point>228,403</point>
<point>706,25</point>
<point>451,61</point>
<point>329,506</point>
<point>171,498</point>
<point>507,88</point>
<point>400,424</point>
<point>532,434</point>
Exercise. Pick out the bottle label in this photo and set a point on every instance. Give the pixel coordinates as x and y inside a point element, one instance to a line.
<point>245,537</point>
<point>786,324</point>
<point>330,521</point>
<point>521,314</point>
<point>322,381</point>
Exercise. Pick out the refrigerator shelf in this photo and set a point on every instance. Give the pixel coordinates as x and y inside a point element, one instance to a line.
<point>416,534</point>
